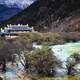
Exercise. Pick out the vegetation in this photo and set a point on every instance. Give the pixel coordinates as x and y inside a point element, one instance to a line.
<point>41,61</point>
<point>49,16</point>
<point>73,60</point>
<point>5,53</point>
<point>43,38</point>
<point>9,48</point>
<point>59,78</point>
<point>45,15</point>
<point>50,38</point>
<point>1,78</point>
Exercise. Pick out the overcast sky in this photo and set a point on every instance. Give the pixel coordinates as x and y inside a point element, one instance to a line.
<point>19,3</point>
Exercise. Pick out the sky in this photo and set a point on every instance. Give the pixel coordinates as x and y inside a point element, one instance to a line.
<point>18,3</point>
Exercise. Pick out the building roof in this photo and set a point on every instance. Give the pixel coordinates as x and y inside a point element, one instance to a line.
<point>19,28</point>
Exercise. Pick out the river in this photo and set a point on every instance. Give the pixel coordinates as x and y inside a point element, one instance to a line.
<point>62,52</point>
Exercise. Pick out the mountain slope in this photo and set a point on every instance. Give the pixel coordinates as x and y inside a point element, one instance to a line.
<point>17,3</point>
<point>47,14</point>
<point>6,12</point>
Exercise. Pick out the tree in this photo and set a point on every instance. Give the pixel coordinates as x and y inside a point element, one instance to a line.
<point>7,50</point>
<point>41,60</point>
<point>10,47</point>
<point>73,60</point>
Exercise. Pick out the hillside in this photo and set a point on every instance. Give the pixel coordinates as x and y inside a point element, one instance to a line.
<point>50,15</point>
<point>6,12</point>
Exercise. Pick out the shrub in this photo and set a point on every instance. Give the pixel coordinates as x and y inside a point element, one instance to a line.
<point>73,60</point>
<point>38,37</point>
<point>43,38</point>
<point>41,61</point>
<point>57,38</point>
<point>27,36</point>
<point>1,78</point>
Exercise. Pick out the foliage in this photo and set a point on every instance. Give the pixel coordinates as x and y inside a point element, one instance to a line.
<point>41,60</point>
<point>10,47</point>
<point>25,41</point>
<point>73,60</point>
<point>26,36</point>
<point>45,12</point>
<point>76,55</point>
<point>72,36</point>
<point>38,37</point>
<point>1,78</point>
<point>50,38</point>
<point>54,38</point>
<point>59,78</point>
<point>44,38</point>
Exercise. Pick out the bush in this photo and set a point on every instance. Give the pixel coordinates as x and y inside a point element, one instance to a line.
<point>41,61</point>
<point>54,38</point>
<point>38,37</point>
<point>27,36</point>
<point>43,38</point>
<point>1,78</point>
<point>73,60</point>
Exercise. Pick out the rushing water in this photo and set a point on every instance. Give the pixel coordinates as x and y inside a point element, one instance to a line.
<point>62,52</point>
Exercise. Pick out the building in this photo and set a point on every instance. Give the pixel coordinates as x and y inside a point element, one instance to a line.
<point>13,28</point>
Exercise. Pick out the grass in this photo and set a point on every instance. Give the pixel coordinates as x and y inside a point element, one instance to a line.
<point>60,78</point>
<point>51,38</point>
<point>43,38</point>
<point>75,48</point>
<point>51,78</point>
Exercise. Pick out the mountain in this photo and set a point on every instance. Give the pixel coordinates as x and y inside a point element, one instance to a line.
<point>17,3</point>
<point>6,12</point>
<point>47,15</point>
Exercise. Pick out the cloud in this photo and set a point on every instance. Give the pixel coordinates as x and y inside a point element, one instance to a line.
<point>17,3</point>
